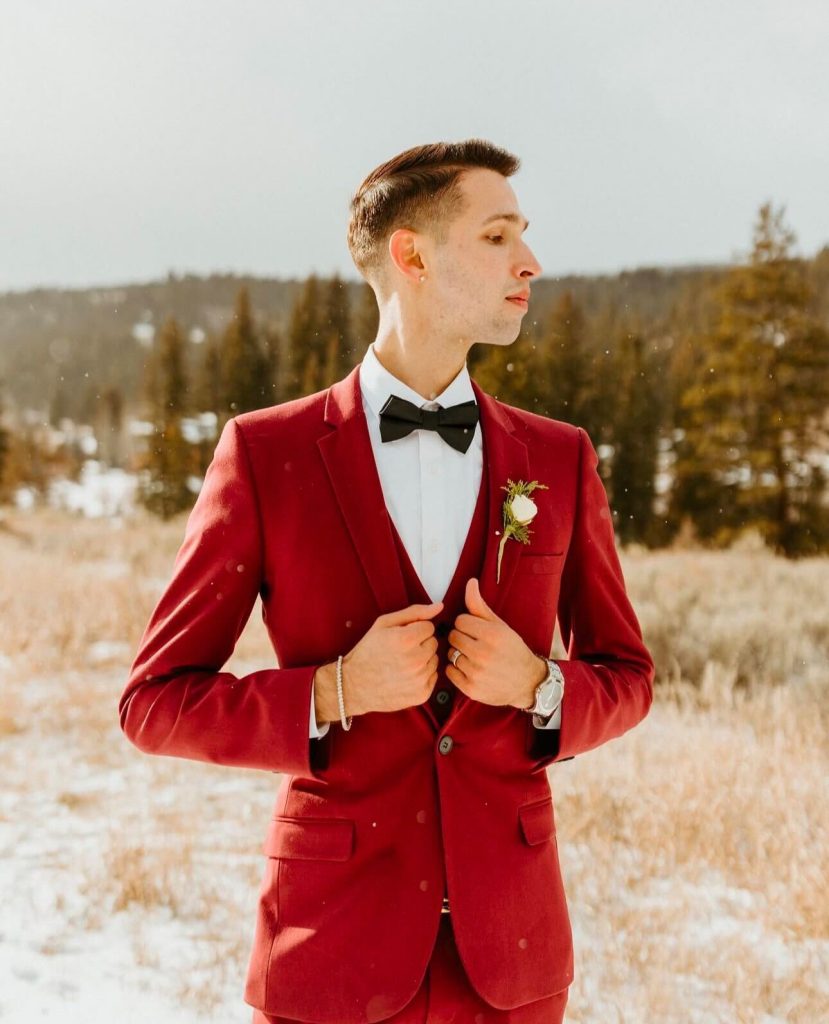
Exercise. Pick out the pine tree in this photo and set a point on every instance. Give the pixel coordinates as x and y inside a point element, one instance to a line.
<point>692,499</point>
<point>273,347</point>
<point>244,369</point>
<point>567,365</point>
<point>170,398</point>
<point>209,391</point>
<point>756,421</point>
<point>112,425</point>
<point>171,458</point>
<point>635,423</point>
<point>337,330</point>
<point>307,344</point>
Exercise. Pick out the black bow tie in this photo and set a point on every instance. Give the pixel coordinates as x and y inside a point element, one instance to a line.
<point>455,424</point>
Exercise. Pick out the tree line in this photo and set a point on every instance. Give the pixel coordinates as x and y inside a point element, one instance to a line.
<point>709,420</point>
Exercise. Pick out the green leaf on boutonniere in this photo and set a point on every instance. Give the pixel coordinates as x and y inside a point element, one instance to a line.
<point>518,512</point>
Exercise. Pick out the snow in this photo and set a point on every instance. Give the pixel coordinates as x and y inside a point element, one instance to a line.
<point>99,491</point>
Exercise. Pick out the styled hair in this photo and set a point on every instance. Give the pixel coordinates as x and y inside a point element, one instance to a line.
<point>418,189</point>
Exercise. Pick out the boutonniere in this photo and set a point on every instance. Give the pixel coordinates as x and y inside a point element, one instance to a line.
<point>519,512</point>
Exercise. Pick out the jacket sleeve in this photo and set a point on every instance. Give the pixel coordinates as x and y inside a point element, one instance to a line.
<point>608,672</point>
<point>177,701</point>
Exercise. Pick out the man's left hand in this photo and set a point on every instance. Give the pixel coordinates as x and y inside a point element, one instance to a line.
<point>496,666</point>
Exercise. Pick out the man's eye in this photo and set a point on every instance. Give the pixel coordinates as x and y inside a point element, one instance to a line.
<point>494,238</point>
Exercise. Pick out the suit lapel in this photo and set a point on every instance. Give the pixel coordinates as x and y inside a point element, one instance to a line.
<point>505,456</point>
<point>349,460</point>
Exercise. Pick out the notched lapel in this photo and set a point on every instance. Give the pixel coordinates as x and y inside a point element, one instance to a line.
<point>349,460</point>
<point>505,456</point>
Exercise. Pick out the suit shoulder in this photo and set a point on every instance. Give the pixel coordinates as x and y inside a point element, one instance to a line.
<point>299,412</point>
<point>535,427</point>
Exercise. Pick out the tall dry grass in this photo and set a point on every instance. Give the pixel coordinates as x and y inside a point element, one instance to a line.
<point>694,849</point>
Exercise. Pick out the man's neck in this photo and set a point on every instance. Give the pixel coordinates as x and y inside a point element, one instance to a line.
<point>427,376</point>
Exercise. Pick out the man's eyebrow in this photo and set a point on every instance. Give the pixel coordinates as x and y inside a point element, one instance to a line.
<point>507,216</point>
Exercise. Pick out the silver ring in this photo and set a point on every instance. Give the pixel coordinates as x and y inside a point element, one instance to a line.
<point>455,657</point>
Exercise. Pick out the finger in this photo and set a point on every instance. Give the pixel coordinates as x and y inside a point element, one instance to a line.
<point>420,630</point>
<point>462,662</point>
<point>454,675</point>
<point>460,641</point>
<point>472,625</point>
<point>429,643</point>
<point>412,613</point>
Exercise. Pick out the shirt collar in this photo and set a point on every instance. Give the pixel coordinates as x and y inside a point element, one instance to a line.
<point>377,383</point>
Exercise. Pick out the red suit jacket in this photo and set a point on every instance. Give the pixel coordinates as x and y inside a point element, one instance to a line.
<point>370,823</point>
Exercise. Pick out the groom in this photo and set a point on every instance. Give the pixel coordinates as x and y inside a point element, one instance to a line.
<point>411,867</point>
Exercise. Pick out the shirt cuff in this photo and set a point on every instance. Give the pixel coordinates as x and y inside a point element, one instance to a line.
<point>553,722</point>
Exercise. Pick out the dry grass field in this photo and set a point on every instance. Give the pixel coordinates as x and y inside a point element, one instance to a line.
<point>694,849</point>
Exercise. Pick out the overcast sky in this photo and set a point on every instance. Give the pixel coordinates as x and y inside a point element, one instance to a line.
<point>206,136</point>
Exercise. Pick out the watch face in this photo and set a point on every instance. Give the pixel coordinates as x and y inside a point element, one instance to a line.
<point>550,695</point>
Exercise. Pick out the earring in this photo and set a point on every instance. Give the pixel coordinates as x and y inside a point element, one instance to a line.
<point>422,277</point>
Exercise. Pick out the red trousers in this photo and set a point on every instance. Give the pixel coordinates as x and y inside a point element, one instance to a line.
<point>446,997</point>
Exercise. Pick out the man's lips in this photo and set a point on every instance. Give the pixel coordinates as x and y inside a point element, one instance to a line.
<point>523,303</point>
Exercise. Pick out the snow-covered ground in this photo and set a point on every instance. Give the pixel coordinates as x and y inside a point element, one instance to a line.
<point>128,883</point>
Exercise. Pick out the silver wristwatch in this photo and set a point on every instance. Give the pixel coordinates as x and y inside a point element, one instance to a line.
<point>549,692</point>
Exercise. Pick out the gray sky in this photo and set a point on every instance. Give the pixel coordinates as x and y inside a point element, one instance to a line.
<point>202,136</point>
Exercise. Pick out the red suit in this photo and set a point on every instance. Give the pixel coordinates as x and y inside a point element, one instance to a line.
<point>373,825</point>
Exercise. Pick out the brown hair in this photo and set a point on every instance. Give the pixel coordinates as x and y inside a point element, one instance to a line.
<point>417,189</point>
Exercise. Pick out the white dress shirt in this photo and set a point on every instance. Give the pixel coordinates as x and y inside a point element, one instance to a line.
<point>430,488</point>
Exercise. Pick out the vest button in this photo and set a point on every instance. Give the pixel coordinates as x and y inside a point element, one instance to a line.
<point>442,628</point>
<point>442,696</point>
<point>446,744</point>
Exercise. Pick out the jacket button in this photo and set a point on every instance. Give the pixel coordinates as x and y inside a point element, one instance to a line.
<point>442,696</point>
<point>442,629</point>
<point>446,744</point>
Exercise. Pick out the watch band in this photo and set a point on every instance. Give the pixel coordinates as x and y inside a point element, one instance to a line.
<point>554,674</point>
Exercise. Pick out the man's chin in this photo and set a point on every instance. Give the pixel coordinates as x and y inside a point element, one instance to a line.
<point>509,337</point>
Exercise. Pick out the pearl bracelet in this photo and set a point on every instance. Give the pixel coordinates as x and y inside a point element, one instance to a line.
<point>346,725</point>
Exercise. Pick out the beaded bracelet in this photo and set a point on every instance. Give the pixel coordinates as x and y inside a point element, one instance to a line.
<point>346,725</point>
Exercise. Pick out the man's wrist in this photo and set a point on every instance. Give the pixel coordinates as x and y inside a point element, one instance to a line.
<point>326,706</point>
<point>527,697</point>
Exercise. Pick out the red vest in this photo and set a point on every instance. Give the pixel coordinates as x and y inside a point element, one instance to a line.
<point>469,564</point>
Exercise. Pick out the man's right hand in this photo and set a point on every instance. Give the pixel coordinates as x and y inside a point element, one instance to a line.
<point>393,666</point>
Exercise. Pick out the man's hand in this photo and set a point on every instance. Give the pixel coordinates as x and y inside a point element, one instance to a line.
<point>393,666</point>
<point>497,667</point>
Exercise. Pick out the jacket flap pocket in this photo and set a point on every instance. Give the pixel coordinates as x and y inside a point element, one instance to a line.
<point>534,561</point>
<point>537,821</point>
<point>310,838</point>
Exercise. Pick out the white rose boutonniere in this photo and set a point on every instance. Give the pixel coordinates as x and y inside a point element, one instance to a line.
<point>519,511</point>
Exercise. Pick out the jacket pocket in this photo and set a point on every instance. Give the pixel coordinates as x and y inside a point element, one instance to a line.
<point>535,562</point>
<point>310,838</point>
<point>537,820</point>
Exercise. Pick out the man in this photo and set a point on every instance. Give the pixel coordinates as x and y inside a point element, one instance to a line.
<point>413,541</point>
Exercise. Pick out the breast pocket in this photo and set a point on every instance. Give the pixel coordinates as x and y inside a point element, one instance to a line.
<point>534,562</point>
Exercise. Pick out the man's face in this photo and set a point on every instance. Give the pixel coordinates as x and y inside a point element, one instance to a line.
<point>483,261</point>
